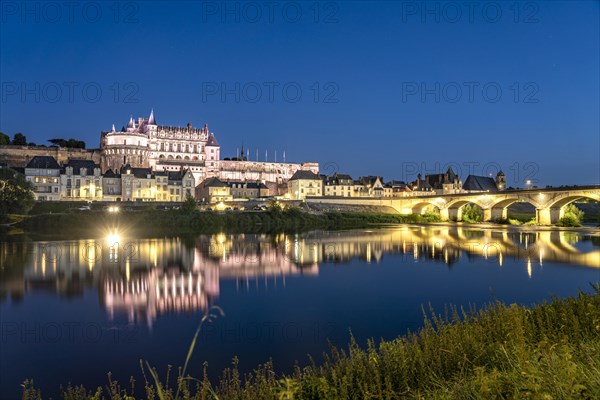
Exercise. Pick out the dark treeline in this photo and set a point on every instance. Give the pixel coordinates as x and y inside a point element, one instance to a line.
<point>20,139</point>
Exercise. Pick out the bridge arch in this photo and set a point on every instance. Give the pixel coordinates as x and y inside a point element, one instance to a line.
<point>453,209</point>
<point>566,199</point>
<point>554,210</point>
<point>499,209</point>
<point>421,207</point>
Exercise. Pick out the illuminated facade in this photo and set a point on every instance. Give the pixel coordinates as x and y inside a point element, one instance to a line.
<point>213,190</point>
<point>145,144</point>
<point>81,180</point>
<point>303,184</point>
<point>44,174</point>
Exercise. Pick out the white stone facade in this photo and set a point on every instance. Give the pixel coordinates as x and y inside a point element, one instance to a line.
<point>145,144</point>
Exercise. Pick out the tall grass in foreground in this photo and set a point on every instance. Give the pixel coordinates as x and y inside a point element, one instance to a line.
<point>551,351</point>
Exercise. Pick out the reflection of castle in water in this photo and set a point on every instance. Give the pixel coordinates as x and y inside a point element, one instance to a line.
<point>145,278</point>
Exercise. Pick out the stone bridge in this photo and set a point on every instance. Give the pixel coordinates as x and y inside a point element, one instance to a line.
<point>548,202</point>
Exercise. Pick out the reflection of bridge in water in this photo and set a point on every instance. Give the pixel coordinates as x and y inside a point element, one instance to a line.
<point>144,278</point>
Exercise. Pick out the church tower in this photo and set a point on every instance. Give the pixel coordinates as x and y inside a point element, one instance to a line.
<point>501,180</point>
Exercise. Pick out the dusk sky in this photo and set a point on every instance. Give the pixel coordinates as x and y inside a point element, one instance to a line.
<point>362,88</point>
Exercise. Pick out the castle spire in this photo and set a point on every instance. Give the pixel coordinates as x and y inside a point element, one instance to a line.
<point>113,127</point>
<point>151,120</point>
<point>130,124</point>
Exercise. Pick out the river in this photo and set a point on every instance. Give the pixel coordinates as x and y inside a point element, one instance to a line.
<point>71,311</point>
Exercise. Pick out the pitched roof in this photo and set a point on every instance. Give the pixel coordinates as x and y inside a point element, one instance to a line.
<point>77,165</point>
<point>46,162</point>
<point>370,180</point>
<point>302,174</point>
<point>137,172</point>
<point>213,182</point>
<point>437,180</point>
<point>249,185</point>
<point>212,141</point>
<point>111,174</point>
<point>421,185</point>
<point>480,183</point>
<point>339,179</point>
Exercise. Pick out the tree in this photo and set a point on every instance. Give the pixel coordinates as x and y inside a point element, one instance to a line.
<point>472,213</point>
<point>59,142</point>
<point>275,206</point>
<point>70,143</point>
<point>189,205</point>
<point>19,139</point>
<point>572,216</point>
<point>4,139</point>
<point>16,196</point>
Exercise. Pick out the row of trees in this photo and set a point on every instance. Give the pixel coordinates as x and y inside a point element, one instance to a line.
<point>21,140</point>
<point>69,143</point>
<point>18,139</point>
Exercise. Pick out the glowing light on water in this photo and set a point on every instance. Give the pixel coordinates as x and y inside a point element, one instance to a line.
<point>113,239</point>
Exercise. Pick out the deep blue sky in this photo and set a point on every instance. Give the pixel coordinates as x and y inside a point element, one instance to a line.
<point>372,59</point>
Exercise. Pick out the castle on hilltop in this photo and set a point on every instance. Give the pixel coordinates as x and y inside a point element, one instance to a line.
<point>146,144</point>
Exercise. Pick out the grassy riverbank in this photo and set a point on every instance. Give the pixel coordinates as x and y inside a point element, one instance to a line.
<point>152,222</point>
<point>551,351</point>
<point>66,221</point>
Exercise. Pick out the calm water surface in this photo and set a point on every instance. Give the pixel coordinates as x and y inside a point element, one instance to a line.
<point>71,311</point>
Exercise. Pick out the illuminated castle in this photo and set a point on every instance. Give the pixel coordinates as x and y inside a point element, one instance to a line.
<point>145,144</point>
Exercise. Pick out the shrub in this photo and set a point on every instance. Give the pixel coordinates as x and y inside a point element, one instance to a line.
<point>472,213</point>
<point>569,220</point>
<point>572,216</point>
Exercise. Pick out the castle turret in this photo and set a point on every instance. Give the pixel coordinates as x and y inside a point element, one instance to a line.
<point>151,120</point>
<point>213,151</point>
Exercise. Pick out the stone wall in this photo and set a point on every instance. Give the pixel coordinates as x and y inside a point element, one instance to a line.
<point>19,156</point>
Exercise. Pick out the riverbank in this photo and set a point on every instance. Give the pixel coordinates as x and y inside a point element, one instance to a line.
<point>155,223</point>
<point>152,222</point>
<point>503,351</point>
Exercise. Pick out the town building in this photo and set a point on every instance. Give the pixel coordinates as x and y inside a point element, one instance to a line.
<point>174,185</point>
<point>137,184</point>
<point>44,174</point>
<point>81,180</point>
<point>213,190</point>
<point>372,186</point>
<point>248,190</point>
<point>446,183</point>
<point>400,188</point>
<point>303,184</point>
<point>111,186</point>
<point>341,185</point>
<point>420,187</point>
<point>475,183</point>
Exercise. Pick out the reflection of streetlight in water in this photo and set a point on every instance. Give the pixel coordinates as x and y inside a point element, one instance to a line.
<point>113,240</point>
